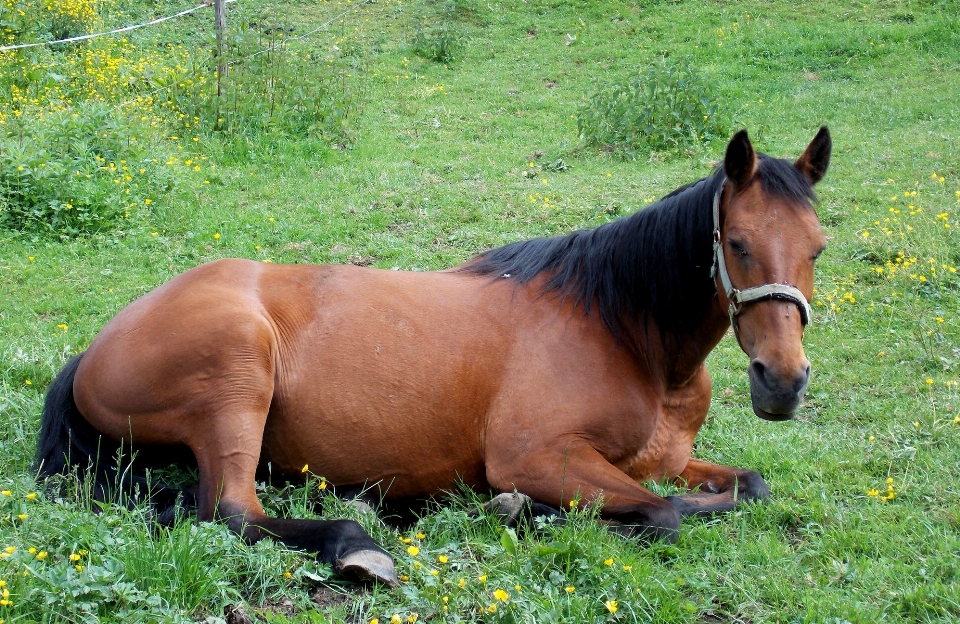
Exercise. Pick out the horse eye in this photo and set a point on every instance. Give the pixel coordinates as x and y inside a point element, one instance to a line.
<point>738,249</point>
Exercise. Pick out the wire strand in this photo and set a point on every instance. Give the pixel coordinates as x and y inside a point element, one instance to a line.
<point>159,20</point>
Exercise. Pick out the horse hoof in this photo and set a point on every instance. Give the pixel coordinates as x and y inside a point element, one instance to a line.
<point>509,506</point>
<point>369,565</point>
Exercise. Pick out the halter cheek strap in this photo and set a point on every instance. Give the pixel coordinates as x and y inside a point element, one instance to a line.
<point>739,298</point>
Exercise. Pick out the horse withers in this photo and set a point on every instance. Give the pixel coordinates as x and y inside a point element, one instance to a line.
<point>567,368</point>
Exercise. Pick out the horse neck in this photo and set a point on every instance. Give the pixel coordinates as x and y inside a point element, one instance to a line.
<point>680,319</point>
<point>683,354</point>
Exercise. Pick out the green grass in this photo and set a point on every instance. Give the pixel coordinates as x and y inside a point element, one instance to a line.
<point>432,173</point>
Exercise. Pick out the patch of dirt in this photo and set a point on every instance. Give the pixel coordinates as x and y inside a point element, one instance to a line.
<point>325,597</point>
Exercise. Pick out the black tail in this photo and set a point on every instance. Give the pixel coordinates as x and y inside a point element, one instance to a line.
<point>68,442</point>
<point>66,438</point>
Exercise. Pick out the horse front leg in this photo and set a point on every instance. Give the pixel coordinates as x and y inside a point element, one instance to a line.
<point>717,488</point>
<point>573,472</point>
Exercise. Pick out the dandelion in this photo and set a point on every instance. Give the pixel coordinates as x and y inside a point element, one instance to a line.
<point>7,493</point>
<point>611,606</point>
<point>22,516</point>
<point>608,562</point>
<point>501,595</point>
<point>216,236</point>
<point>463,582</point>
<point>442,559</point>
<point>482,578</point>
<point>492,608</point>
<point>323,484</point>
<point>287,575</point>
<point>396,619</point>
<point>148,201</point>
<point>569,589</point>
<point>421,536</point>
<point>10,550</point>
<point>79,568</point>
<point>28,382</point>
<point>872,492</point>
<point>374,621</point>
<point>41,555</point>
<point>413,550</point>
<point>929,381</point>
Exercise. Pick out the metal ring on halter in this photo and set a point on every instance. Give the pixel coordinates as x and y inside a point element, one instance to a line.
<point>739,298</point>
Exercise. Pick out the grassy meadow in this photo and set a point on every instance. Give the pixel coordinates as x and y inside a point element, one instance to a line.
<point>415,134</point>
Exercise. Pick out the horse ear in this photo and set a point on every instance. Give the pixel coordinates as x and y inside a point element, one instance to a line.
<point>740,161</point>
<point>816,158</point>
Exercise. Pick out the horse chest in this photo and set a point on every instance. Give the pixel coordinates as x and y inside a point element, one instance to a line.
<point>679,416</point>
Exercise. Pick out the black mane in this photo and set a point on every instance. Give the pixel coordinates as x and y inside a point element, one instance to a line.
<point>654,262</point>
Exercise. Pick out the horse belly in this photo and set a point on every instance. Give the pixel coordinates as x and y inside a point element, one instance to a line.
<point>390,381</point>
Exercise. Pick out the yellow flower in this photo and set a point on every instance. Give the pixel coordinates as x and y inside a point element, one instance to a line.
<point>32,550</point>
<point>148,201</point>
<point>216,236</point>
<point>501,595</point>
<point>929,381</point>
<point>305,466</point>
<point>608,561</point>
<point>74,557</point>
<point>889,479</point>
<point>287,575</point>
<point>413,550</point>
<point>396,619</point>
<point>42,555</point>
<point>434,572</point>
<point>79,568</point>
<point>570,589</point>
<point>627,568</point>
<point>516,587</point>
<point>442,559</point>
<point>421,536</point>
<point>873,492</point>
<point>611,606</point>
<point>463,582</point>
<point>10,549</point>
<point>7,493</point>
<point>483,578</point>
<point>375,621</point>
<point>323,484</point>
<point>492,608</point>
<point>22,516</point>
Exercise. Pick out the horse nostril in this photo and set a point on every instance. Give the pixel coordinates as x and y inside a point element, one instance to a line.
<point>759,371</point>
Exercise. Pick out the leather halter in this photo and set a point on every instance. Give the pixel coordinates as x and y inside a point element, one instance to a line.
<point>739,298</point>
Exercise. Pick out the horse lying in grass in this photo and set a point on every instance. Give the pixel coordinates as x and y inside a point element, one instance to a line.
<point>567,368</point>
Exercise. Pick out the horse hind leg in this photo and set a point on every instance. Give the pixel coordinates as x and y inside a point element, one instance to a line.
<point>228,458</point>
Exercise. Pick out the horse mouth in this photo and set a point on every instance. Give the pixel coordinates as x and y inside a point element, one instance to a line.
<point>773,416</point>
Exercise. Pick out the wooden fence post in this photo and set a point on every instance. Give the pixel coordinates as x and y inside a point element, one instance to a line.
<point>220,13</point>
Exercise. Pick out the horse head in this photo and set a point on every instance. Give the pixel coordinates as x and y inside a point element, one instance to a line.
<point>767,238</point>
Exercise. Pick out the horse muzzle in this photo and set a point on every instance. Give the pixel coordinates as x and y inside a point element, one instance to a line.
<point>775,395</point>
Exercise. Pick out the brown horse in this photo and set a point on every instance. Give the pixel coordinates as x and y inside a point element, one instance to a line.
<point>568,368</point>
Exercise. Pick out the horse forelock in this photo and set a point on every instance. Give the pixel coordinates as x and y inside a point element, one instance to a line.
<point>654,263</point>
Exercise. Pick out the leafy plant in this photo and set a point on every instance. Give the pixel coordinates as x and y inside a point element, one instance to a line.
<point>666,106</point>
<point>441,44</point>
<point>75,171</point>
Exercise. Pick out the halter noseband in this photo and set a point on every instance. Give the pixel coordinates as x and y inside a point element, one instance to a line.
<point>739,298</point>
